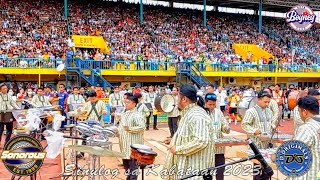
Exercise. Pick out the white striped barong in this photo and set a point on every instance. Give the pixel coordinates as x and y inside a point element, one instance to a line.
<point>194,142</point>
<point>135,121</point>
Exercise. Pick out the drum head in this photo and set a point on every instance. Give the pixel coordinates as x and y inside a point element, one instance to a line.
<point>144,151</point>
<point>167,103</point>
<point>140,146</point>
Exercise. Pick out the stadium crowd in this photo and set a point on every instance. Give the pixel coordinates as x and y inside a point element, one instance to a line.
<point>38,29</point>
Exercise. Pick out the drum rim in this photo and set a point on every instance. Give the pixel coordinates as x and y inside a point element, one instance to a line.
<point>133,146</point>
<point>149,152</point>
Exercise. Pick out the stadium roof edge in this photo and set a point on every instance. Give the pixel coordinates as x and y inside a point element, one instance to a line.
<point>268,5</point>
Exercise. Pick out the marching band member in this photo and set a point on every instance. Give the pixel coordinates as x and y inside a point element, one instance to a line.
<point>131,130</point>
<point>274,107</point>
<point>6,103</point>
<point>308,133</point>
<point>95,108</point>
<point>174,115</point>
<point>83,93</point>
<point>149,100</point>
<point>192,146</point>
<point>257,120</point>
<point>220,125</point>
<point>39,100</point>
<point>63,96</point>
<point>278,95</point>
<point>297,121</point>
<point>141,107</point>
<point>233,100</point>
<point>115,100</point>
<point>75,97</point>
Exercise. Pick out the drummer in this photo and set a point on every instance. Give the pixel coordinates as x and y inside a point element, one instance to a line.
<point>192,146</point>
<point>74,98</point>
<point>39,100</point>
<point>273,105</point>
<point>220,125</point>
<point>115,100</point>
<point>95,108</point>
<point>131,130</point>
<point>6,103</point>
<point>257,120</point>
<point>297,121</point>
<point>174,115</point>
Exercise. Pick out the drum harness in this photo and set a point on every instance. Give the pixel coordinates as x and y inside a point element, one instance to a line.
<point>93,108</point>
<point>265,121</point>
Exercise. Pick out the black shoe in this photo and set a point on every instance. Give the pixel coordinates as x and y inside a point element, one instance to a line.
<point>120,165</point>
<point>155,128</point>
<point>147,129</point>
<point>80,156</point>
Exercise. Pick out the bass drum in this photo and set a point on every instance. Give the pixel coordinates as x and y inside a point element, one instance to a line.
<point>246,103</point>
<point>164,103</point>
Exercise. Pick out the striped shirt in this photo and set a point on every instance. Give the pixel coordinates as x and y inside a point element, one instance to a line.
<point>135,121</point>
<point>142,108</point>
<point>7,103</point>
<point>274,107</point>
<point>75,99</point>
<point>150,98</point>
<point>297,121</point>
<point>219,123</point>
<point>100,107</point>
<point>194,142</point>
<point>40,101</point>
<point>308,134</point>
<point>252,122</point>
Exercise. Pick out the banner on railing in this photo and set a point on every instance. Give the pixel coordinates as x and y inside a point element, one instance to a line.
<point>90,42</point>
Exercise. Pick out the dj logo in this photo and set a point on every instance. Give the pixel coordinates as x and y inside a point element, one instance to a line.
<point>301,18</point>
<point>294,158</point>
<point>23,155</point>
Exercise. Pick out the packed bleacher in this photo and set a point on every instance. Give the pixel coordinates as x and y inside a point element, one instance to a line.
<point>38,29</point>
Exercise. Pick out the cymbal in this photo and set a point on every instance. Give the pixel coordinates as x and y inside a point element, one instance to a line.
<point>95,150</point>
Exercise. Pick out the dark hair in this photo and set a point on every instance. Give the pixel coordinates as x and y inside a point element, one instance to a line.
<point>313,92</point>
<point>138,95</point>
<point>211,97</point>
<point>40,88</point>
<point>262,94</point>
<point>309,103</point>
<point>92,94</point>
<point>75,87</point>
<point>128,94</point>
<point>133,99</point>
<point>62,85</point>
<point>2,84</point>
<point>211,85</point>
<point>190,92</point>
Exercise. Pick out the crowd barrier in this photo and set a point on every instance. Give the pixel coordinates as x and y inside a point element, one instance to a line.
<point>155,66</point>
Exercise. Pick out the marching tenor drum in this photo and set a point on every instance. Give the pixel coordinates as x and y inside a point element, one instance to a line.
<point>134,150</point>
<point>146,157</point>
<point>164,103</point>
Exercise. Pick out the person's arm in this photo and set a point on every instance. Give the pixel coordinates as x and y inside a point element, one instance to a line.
<point>275,113</point>
<point>82,99</point>
<point>247,122</point>
<point>14,104</point>
<point>199,129</point>
<point>104,110</point>
<point>224,122</point>
<point>34,101</point>
<point>110,100</point>
<point>69,100</point>
<point>146,110</point>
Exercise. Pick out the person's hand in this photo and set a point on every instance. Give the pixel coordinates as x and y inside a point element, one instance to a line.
<point>257,132</point>
<point>172,149</point>
<point>227,129</point>
<point>104,112</point>
<point>167,141</point>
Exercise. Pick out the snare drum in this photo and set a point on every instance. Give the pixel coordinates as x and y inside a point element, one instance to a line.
<point>134,150</point>
<point>146,157</point>
<point>6,117</point>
